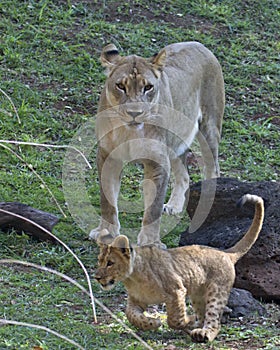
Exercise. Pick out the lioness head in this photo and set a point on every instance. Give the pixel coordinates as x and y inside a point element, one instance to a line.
<point>114,260</point>
<point>132,85</point>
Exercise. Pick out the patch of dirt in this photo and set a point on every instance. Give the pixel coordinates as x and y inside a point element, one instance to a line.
<point>155,11</point>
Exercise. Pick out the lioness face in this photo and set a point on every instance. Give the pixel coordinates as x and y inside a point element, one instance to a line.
<point>133,93</point>
<point>114,265</point>
<point>132,85</point>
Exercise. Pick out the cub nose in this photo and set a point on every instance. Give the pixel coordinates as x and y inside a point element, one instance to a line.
<point>96,277</point>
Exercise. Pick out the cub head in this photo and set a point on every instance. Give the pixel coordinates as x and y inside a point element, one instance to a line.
<point>114,260</point>
<point>132,84</point>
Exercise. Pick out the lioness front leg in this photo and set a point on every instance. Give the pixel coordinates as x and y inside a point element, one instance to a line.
<point>156,178</point>
<point>176,201</point>
<point>109,171</point>
<point>135,315</point>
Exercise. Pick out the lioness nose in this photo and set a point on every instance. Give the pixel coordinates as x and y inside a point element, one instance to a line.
<point>134,114</point>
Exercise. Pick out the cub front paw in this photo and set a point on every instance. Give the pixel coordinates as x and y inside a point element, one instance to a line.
<point>203,335</point>
<point>149,323</point>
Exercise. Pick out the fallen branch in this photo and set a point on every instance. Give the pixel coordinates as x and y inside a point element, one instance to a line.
<point>19,223</point>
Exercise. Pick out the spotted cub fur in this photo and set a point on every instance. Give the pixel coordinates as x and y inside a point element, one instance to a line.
<point>152,276</point>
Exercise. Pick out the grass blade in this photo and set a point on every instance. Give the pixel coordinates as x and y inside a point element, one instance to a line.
<point>48,146</point>
<point>69,279</point>
<point>45,269</point>
<point>37,175</point>
<point>67,248</point>
<point>12,103</point>
<point>24,324</point>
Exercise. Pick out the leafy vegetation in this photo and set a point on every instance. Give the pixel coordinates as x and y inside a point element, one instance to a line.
<point>50,71</point>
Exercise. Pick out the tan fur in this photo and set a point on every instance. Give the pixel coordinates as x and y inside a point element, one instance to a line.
<point>150,111</point>
<point>153,276</point>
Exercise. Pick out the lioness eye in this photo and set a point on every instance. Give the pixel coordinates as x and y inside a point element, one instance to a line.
<point>110,263</point>
<point>148,87</point>
<point>120,86</point>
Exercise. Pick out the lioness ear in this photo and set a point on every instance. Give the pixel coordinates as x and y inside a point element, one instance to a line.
<point>109,56</point>
<point>104,238</point>
<point>158,60</point>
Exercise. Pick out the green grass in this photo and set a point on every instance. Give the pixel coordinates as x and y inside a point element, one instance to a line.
<point>49,67</point>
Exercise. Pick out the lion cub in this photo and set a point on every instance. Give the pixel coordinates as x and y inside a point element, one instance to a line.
<point>152,276</point>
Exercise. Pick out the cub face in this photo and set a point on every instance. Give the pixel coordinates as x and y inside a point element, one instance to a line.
<point>132,85</point>
<point>114,261</point>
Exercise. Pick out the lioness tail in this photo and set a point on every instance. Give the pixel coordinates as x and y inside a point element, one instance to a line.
<point>244,245</point>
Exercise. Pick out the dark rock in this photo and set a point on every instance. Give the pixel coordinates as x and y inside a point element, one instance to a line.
<point>259,270</point>
<point>242,303</point>
<point>19,222</point>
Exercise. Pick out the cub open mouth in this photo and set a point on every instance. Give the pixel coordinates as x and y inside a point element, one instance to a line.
<point>108,285</point>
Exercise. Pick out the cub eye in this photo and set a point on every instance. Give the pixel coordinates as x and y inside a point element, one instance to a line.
<point>148,87</point>
<point>120,86</point>
<point>110,263</point>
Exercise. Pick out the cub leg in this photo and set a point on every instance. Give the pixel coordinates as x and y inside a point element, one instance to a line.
<point>176,201</point>
<point>135,315</point>
<point>198,305</point>
<point>109,171</point>
<point>215,302</point>
<point>177,317</point>
<point>156,178</point>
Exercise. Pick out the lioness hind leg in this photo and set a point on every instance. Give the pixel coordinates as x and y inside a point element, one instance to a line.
<point>156,175</point>
<point>212,108</point>
<point>209,150</point>
<point>176,201</point>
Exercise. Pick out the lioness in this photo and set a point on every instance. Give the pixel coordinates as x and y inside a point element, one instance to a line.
<point>150,111</point>
<point>152,276</point>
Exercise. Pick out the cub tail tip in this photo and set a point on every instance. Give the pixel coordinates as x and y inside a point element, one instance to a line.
<point>250,198</point>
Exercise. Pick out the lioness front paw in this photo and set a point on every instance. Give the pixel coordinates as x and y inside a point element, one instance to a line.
<point>148,237</point>
<point>171,209</point>
<point>93,235</point>
<point>96,232</point>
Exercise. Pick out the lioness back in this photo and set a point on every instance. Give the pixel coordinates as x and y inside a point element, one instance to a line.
<point>192,62</point>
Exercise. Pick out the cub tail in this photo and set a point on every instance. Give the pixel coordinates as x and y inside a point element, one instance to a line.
<point>245,244</point>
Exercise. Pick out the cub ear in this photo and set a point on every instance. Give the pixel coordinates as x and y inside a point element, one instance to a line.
<point>104,238</point>
<point>109,56</point>
<point>158,60</point>
<point>122,243</point>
